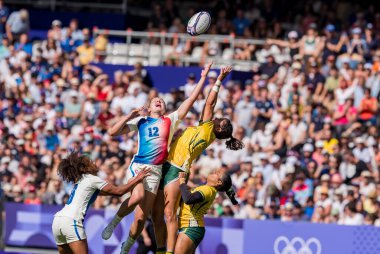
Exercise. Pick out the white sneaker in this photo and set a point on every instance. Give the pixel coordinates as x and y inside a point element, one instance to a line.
<point>108,231</point>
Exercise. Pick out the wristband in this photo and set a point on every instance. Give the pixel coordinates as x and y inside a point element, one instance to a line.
<point>218,83</point>
<point>215,88</point>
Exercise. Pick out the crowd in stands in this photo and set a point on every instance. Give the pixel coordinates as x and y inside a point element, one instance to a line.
<point>309,116</point>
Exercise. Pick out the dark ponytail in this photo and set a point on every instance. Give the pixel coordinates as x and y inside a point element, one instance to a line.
<point>231,195</point>
<point>227,188</point>
<point>226,133</point>
<point>234,144</point>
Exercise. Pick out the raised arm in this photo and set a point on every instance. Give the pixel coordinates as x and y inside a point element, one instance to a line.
<point>121,127</point>
<point>111,189</point>
<point>188,103</point>
<point>208,109</point>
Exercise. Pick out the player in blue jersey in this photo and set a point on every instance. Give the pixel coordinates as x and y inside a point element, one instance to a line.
<point>68,229</point>
<point>155,133</point>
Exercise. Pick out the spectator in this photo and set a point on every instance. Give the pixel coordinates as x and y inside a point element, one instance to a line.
<point>17,24</point>
<point>4,12</point>
<point>86,52</point>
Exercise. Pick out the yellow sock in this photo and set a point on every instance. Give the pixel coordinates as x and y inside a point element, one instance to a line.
<point>160,252</point>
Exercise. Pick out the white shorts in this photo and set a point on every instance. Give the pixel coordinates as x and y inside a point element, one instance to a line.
<point>152,182</point>
<point>67,230</point>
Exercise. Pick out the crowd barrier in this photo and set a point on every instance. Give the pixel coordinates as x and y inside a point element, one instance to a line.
<point>30,226</point>
<point>167,77</point>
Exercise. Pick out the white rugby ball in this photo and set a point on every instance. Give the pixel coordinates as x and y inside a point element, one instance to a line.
<point>199,23</point>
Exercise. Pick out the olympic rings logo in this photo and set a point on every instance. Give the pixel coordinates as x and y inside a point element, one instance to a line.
<point>297,246</point>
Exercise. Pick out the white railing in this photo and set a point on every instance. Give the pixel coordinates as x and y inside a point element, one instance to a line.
<point>152,48</point>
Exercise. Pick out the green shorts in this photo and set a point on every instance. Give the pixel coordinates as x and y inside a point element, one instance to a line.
<point>170,174</point>
<point>196,234</point>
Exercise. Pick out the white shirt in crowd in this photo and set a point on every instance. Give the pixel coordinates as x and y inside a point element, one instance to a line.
<point>355,220</point>
<point>362,154</point>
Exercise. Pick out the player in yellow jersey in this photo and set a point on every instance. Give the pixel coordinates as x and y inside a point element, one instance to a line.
<point>195,205</point>
<point>192,142</point>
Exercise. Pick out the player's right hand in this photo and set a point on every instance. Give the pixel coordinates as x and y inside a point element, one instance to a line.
<point>206,69</point>
<point>137,112</point>
<point>143,173</point>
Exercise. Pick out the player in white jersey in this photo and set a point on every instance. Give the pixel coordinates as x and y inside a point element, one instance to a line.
<point>67,225</point>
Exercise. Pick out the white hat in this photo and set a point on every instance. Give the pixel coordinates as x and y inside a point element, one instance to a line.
<point>56,22</point>
<point>274,158</point>
<point>269,128</point>
<point>17,188</point>
<point>338,191</point>
<point>292,35</point>
<point>290,169</point>
<point>325,177</point>
<point>319,144</point>
<point>308,147</point>
<point>366,174</point>
<point>359,140</point>
<point>212,74</point>
<point>74,93</point>
<point>226,202</point>
<point>296,65</point>
<point>368,66</point>
<point>74,81</point>
<point>288,206</point>
<point>259,203</point>
<point>5,159</point>
<point>20,142</point>
<point>49,127</point>
<point>357,30</point>
<point>133,86</point>
<point>291,160</point>
<point>263,156</point>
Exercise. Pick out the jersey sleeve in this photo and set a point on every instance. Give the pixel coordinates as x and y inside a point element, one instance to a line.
<point>97,183</point>
<point>174,118</point>
<point>206,191</point>
<point>133,124</point>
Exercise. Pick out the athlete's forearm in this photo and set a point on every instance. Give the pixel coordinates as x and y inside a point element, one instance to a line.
<point>188,197</point>
<point>188,103</point>
<point>121,126</point>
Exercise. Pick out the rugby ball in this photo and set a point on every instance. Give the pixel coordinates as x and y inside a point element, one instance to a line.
<point>199,23</point>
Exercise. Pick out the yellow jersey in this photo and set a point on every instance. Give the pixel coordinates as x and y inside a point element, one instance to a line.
<point>192,142</point>
<point>192,215</point>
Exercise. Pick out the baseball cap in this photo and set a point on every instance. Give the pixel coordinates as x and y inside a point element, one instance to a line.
<point>263,156</point>
<point>74,81</point>
<point>74,94</point>
<point>313,26</point>
<point>292,35</point>
<point>308,148</point>
<point>330,28</point>
<point>325,177</point>
<point>366,174</point>
<point>289,206</point>
<point>5,159</point>
<point>357,30</point>
<point>296,65</point>
<point>56,22</point>
<point>368,66</point>
<point>369,26</point>
<point>359,140</point>
<point>274,158</point>
<point>319,144</point>
<point>212,74</point>
<point>191,76</point>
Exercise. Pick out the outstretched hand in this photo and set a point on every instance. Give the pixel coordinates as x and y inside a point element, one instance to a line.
<point>224,72</point>
<point>206,69</point>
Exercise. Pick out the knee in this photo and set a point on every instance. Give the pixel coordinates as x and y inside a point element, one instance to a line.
<point>137,197</point>
<point>170,215</point>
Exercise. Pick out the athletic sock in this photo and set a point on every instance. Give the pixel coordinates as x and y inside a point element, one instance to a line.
<point>161,250</point>
<point>129,243</point>
<point>169,252</point>
<point>116,220</point>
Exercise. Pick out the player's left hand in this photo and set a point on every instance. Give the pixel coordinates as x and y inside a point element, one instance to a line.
<point>206,69</point>
<point>224,72</point>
